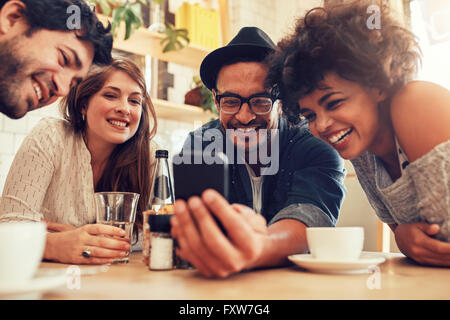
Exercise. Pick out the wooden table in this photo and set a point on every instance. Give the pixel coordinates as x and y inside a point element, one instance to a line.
<point>400,279</point>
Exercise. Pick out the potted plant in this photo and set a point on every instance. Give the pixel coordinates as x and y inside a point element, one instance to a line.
<point>131,13</point>
<point>201,96</point>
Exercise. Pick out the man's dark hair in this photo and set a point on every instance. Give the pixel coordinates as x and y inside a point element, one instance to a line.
<point>53,15</point>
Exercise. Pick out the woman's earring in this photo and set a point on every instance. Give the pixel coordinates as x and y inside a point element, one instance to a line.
<point>83,116</point>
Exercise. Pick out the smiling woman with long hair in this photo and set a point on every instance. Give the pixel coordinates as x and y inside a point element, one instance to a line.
<point>354,85</point>
<point>104,144</point>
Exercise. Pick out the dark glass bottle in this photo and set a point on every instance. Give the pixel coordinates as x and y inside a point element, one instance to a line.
<point>162,189</point>
<point>161,197</point>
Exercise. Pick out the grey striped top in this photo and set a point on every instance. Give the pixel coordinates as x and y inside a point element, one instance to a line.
<point>422,193</point>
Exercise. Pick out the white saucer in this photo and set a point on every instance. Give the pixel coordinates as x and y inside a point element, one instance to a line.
<point>362,265</point>
<point>33,288</point>
<point>84,270</point>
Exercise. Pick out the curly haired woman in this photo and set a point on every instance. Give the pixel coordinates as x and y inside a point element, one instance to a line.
<point>354,85</point>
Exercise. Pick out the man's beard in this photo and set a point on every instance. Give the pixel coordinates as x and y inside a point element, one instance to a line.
<point>248,147</point>
<point>11,78</point>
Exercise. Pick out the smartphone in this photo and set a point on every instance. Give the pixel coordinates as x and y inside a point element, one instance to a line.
<point>192,175</point>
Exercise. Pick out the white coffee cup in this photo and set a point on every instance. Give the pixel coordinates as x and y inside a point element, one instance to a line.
<point>335,244</point>
<point>22,247</point>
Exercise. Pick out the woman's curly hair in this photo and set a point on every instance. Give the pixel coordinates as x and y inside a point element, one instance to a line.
<point>338,39</point>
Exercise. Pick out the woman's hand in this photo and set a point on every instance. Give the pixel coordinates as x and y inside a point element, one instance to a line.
<point>414,240</point>
<point>106,243</point>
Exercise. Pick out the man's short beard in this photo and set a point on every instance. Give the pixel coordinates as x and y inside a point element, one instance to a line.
<point>250,148</point>
<point>11,78</point>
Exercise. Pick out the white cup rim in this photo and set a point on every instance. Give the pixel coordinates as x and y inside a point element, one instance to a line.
<point>13,224</point>
<point>334,228</point>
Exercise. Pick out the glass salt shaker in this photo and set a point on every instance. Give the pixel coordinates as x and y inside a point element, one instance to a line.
<point>161,249</point>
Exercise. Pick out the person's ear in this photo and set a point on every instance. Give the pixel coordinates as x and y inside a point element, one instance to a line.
<point>214,92</point>
<point>279,106</point>
<point>12,15</point>
<point>378,95</point>
<point>382,95</point>
<point>83,114</point>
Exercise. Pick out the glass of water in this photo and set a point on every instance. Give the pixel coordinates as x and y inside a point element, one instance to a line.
<point>117,209</point>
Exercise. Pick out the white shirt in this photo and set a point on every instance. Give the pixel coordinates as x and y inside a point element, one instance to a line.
<point>257,183</point>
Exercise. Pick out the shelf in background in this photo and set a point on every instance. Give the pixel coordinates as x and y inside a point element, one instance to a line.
<point>145,42</point>
<point>184,113</point>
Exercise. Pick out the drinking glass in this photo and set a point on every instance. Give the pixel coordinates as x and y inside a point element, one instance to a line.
<point>117,209</point>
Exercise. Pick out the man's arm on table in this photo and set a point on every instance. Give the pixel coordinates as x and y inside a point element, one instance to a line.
<point>285,237</point>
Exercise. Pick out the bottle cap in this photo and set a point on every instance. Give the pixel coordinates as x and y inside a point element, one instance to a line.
<point>159,222</point>
<point>162,153</point>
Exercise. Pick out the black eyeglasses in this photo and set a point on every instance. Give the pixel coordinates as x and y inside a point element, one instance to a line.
<point>260,103</point>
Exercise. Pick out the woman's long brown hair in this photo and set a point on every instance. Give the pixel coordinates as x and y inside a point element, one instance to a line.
<point>129,167</point>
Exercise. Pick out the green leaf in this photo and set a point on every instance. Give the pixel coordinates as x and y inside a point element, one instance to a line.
<point>106,8</point>
<point>163,41</point>
<point>160,2</point>
<point>117,16</point>
<point>129,19</point>
<point>174,37</point>
<point>169,47</point>
<point>131,14</point>
<point>127,29</point>
<point>136,9</point>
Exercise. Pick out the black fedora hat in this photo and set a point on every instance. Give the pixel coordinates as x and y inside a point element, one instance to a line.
<point>250,43</point>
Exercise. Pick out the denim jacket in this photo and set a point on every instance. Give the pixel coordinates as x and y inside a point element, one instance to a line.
<point>308,186</point>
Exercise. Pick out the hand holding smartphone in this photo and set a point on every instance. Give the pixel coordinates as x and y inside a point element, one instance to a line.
<point>191,178</point>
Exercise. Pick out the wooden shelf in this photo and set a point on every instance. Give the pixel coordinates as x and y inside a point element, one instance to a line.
<point>145,42</point>
<point>184,113</point>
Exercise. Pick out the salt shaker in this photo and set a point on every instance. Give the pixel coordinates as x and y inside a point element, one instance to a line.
<point>161,251</point>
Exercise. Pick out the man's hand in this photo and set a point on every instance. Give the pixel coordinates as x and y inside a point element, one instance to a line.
<point>256,221</point>
<point>414,240</point>
<point>206,247</point>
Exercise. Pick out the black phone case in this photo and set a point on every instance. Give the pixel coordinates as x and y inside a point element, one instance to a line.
<point>192,179</point>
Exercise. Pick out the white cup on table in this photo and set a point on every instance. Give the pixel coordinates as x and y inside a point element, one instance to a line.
<point>22,247</point>
<point>335,244</point>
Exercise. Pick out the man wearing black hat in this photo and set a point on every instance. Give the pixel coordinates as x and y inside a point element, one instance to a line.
<point>301,187</point>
